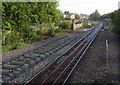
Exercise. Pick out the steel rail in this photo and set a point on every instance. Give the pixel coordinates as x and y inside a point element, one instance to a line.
<point>77,57</point>
<point>68,58</point>
<point>71,62</point>
<point>17,65</point>
<point>53,40</point>
<point>78,61</point>
<point>60,66</point>
<point>33,79</point>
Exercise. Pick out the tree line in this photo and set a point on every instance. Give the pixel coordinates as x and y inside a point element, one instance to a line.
<point>95,16</point>
<point>115,17</point>
<point>17,17</point>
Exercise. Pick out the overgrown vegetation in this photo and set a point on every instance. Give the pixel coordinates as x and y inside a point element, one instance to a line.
<point>67,19</point>
<point>86,24</point>
<point>115,17</point>
<point>112,20</point>
<point>17,17</point>
<point>65,25</point>
<point>78,22</point>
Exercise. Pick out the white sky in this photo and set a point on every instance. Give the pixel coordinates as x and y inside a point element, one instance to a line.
<point>88,6</point>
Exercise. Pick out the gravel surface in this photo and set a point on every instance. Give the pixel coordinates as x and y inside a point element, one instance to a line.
<point>97,66</point>
<point>13,53</point>
<point>34,70</point>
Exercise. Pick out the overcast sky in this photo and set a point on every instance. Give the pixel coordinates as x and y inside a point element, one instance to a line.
<point>88,6</point>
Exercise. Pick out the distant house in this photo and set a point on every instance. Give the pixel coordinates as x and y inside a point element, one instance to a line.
<point>68,15</point>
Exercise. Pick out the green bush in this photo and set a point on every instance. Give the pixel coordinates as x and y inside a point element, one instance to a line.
<point>115,16</point>
<point>13,46</point>
<point>65,25</point>
<point>14,41</point>
<point>86,21</point>
<point>87,26</point>
<point>18,17</point>
<point>78,22</point>
<point>67,19</point>
<point>50,33</point>
<point>58,30</point>
<point>46,30</point>
<point>32,37</point>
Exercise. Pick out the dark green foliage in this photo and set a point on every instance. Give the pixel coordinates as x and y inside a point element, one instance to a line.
<point>14,41</point>
<point>95,15</point>
<point>78,22</point>
<point>85,24</point>
<point>67,12</point>
<point>67,19</point>
<point>59,30</point>
<point>77,16</point>
<point>115,16</point>
<point>65,25</point>
<point>17,17</point>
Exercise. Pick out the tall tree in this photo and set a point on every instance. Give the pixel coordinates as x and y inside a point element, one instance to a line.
<point>115,16</point>
<point>18,16</point>
<point>95,15</point>
<point>77,16</point>
<point>67,12</point>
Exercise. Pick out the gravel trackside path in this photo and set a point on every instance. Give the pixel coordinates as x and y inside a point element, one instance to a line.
<point>33,66</point>
<point>98,66</point>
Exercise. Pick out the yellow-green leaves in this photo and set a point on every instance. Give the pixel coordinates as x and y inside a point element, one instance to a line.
<point>17,17</point>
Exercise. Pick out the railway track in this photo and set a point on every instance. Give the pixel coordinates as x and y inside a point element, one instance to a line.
<point>59,70</point>
<point>15,66</point>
